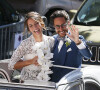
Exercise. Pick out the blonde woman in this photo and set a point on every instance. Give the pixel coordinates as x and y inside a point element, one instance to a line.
<point>35,51</point>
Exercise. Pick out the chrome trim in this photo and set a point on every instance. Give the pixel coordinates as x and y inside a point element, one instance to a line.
<point>95,53</point>
<point>98,55</point>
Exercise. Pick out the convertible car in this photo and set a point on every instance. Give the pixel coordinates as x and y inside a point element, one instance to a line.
<point>85,78</point>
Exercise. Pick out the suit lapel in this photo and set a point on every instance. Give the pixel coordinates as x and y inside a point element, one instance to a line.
<point>55,44</point>
<point>60,57</point>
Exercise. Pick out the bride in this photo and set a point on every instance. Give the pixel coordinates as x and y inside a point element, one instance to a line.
<point>35,51</point>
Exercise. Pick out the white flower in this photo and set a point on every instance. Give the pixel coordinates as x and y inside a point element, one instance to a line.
<point>45,67</point>
<point>43,76</point>
<point>49,55</point>
<point>68,41</point>
<point>44,55</point>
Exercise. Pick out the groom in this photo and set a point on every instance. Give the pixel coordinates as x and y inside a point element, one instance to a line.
<point>69,48</point>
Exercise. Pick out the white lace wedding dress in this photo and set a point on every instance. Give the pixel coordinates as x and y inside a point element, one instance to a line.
<point>28,49</point>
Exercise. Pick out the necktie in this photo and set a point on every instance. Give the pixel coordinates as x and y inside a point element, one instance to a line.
<point>60,45</point>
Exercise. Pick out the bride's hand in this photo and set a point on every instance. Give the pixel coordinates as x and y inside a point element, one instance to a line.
<point>35,60</point>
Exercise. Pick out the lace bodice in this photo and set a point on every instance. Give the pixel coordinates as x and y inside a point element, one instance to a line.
<point>26,51</point>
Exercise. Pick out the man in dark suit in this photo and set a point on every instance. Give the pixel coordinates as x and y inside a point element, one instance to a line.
<point>69,48</point>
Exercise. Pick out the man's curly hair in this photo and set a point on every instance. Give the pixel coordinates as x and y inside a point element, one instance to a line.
<point>59,13</point>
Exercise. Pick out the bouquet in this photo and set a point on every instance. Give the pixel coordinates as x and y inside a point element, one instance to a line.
<point>44,55</point>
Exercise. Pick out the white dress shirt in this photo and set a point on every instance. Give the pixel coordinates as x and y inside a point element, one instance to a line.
<point>80,46</point>
<point>61,42</point>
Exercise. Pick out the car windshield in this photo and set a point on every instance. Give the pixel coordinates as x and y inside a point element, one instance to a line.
<point>89,14</point>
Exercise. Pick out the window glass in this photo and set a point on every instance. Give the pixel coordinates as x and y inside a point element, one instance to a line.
<point>91,86</point>
<point>76,87</point>
<point>2,75</point>
<point>90,13</point>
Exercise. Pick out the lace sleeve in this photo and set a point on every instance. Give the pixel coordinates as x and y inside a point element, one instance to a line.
<point>51,42</point>
<point>19,52</point>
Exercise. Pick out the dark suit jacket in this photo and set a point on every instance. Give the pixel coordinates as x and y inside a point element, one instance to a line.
<point>72,58</point>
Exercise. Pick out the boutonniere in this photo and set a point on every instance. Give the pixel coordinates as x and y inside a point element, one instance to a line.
<point>68,42</point>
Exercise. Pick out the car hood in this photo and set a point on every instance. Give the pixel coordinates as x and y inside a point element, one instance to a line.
<point>90,33</point>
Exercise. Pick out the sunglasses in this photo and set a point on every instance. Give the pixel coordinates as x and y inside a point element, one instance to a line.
<point>62,26</point>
